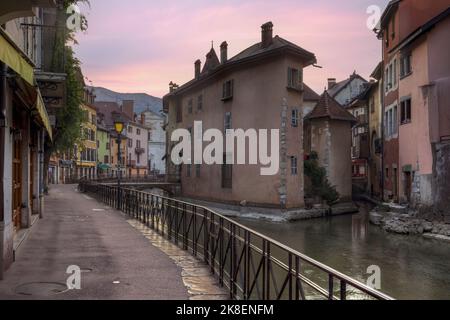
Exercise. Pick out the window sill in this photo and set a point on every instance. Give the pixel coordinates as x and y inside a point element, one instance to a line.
<point>405,122</point>
<point>227,98</point>
<point>296,89</point>
<point>406,75</point>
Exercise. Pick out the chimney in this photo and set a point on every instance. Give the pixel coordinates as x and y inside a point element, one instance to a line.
<point>331,83</point>
<point>171,87</point>
<point>198,65</point>
<point>128,108</point>
<point>223,52</point>
<point>143,119</point>
<point>266,34</point>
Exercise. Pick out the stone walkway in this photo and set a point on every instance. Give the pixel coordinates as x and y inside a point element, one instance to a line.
<point>117,261</point>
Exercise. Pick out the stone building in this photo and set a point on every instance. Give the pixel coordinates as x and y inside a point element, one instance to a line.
<point>24,123</point>
<point>137,142</point>
<point>156,141</point>
<point>259,88</point>
<point>86,151</point>
<point>328,132</point>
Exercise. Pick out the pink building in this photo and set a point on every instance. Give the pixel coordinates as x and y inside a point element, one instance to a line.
<point>137,141</point>
<point>424,116</point>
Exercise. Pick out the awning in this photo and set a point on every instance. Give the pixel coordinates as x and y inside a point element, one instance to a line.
<point>40,106</point>
<point>103,166</point>
<point>14,58</point>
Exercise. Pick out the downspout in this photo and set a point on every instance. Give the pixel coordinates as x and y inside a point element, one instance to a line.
<point>3,102</point>
<point>383,92</point>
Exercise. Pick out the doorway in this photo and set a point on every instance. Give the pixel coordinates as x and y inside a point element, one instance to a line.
<point>16,180</point>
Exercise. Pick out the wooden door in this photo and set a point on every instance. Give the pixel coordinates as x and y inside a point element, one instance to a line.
<point>17,185</point>
<point>408,184</point>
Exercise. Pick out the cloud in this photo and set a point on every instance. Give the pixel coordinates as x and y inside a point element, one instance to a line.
<point>143,45</point>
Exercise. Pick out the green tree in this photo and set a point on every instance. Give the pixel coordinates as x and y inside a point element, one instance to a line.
<point>320,185</point>
<point>69,118</point>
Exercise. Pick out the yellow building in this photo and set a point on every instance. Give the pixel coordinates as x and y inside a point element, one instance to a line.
<point>86,152</point>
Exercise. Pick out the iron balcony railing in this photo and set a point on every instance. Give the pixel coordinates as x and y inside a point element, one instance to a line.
<point>249,264</point>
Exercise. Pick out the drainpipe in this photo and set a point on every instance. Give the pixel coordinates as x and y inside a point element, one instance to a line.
<point>3,102</point>
<point>383,92</point>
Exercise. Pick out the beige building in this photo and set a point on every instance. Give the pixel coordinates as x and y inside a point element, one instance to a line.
<point>328,132</point>
<point>260,88</point>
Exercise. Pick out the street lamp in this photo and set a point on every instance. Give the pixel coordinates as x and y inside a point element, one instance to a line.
<point>118,126</point>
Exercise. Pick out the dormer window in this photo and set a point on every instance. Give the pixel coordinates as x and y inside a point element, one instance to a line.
<point>228,89</point>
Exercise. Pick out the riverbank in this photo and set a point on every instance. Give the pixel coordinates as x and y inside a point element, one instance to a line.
<point>399,220</point>
<point>273,214</point>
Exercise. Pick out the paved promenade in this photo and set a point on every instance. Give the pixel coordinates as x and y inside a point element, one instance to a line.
<point>117,261</point>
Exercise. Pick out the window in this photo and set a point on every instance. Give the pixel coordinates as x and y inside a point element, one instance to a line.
<point>391,122</point>
<point>149,135</point>
<point>106,160</point>
<point>394,72</point>
<point>179,112</point>
<point>200,102</point>
<point>227,121</point>
<point>98,144</point>
<point>294,166</point>
<point>188,170</point>
<point>405,65</point>
<point>227,90</point>
<point>227,174</point>
<point>130,143</point>
<point>138,144</point>
<point>372,105</point>
<point>130,129</point>
<point>294,120</point>
<point>197,170</point>
<point>393,27</point>
<point>108,146</point>
<point>190,104</point>
<point>295,78</point>
<point>405,111</point>
<point>138,132</point>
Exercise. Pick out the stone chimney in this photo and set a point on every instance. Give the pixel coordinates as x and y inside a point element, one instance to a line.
<point>198,66</point>
<point>143,119</point>
<point>331,83</point>
<point>128,108</point>
<point>224,52</point>
<point>266,34</point>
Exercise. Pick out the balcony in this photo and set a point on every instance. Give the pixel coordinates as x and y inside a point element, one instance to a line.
<point>10,10</point>
<point>360,149</point>
<point>139,150</point>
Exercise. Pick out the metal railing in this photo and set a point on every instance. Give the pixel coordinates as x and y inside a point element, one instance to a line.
<point>249,264</point>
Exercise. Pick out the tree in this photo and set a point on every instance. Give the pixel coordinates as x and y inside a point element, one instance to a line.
<point>69,118</point>
<point>320,185</point>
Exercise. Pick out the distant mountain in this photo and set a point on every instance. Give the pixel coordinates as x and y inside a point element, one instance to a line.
<point>142,101</point>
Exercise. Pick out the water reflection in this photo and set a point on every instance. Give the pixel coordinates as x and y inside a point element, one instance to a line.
<point>411,267</point>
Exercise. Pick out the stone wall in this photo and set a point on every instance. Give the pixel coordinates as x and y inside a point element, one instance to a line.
<point>441,187</point>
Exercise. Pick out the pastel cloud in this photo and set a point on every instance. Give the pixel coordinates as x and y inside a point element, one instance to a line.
<point>141,46</point>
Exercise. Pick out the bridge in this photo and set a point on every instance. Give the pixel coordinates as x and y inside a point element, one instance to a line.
<point>248,264</point>
<point>168,183</point>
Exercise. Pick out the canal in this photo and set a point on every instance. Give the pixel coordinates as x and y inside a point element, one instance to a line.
<point>411,267</point>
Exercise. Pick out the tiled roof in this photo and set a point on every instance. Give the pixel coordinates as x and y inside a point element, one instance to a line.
<point>338,87</point>
<point>327,107</point>
<point>309,94</point>
<point>211,62</point>
<point>107,109</point>
<point>255,51</point>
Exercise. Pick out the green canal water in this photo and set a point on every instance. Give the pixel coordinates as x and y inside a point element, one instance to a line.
<point>411,267</point>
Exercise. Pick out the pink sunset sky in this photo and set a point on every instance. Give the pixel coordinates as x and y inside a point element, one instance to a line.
<point>141,45</point>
